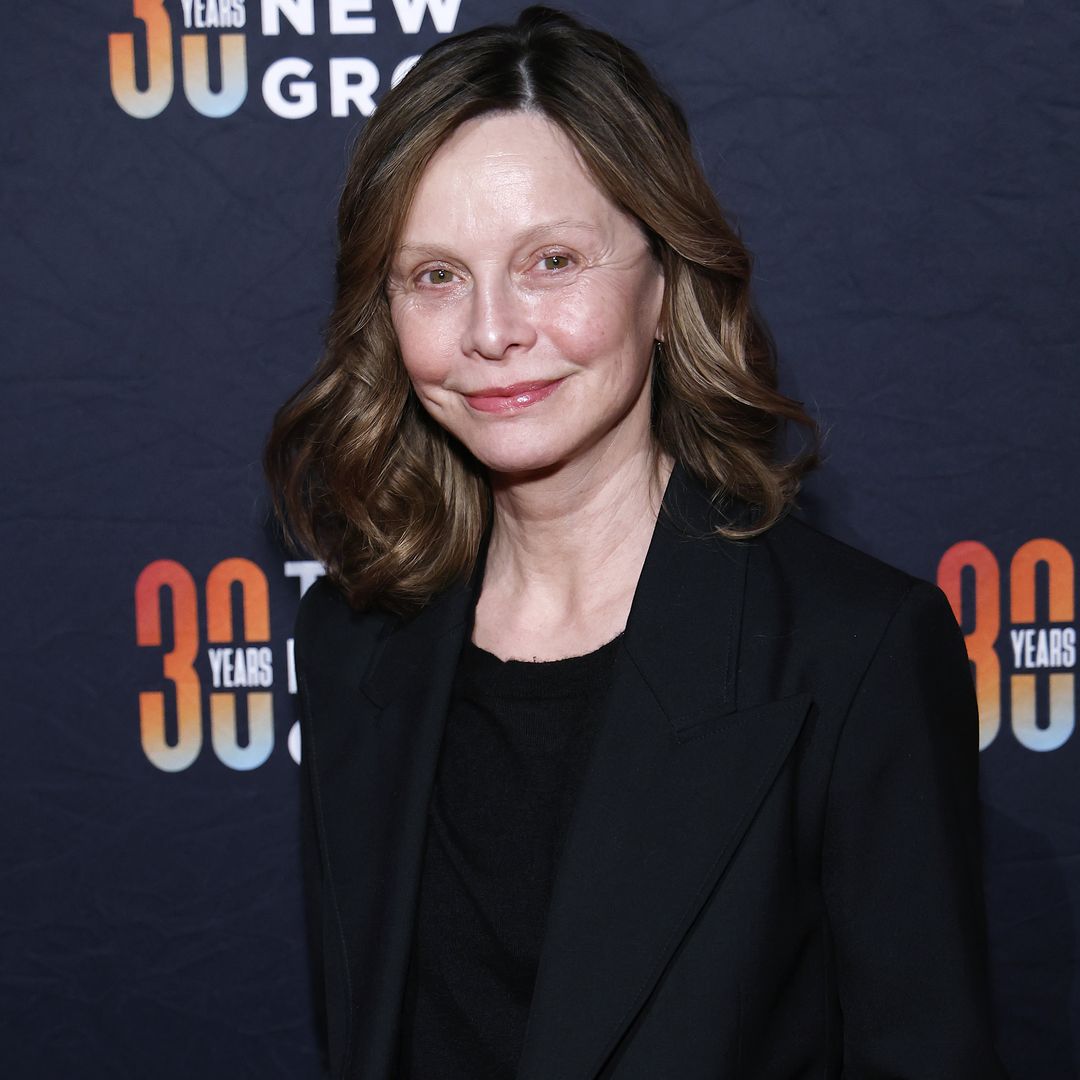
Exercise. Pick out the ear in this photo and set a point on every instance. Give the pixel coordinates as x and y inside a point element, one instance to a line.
<point>658,332</point>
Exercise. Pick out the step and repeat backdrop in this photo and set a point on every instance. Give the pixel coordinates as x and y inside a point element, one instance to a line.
<point>907,177</point>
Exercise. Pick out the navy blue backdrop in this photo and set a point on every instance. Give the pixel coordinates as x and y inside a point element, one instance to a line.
<point>905,173</point>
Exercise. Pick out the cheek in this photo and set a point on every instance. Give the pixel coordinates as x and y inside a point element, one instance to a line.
<point>425,342</point>
<point>580,324</point>
<point>602,325</point>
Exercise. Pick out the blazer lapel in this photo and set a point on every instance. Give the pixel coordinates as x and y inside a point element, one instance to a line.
<point>375,829</point>
<point>674,780</point>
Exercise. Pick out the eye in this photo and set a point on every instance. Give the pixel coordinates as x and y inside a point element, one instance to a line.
<point>555,262</point>
<point>437,275</point>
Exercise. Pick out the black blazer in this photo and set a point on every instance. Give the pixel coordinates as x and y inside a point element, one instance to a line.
<point>772,870</point>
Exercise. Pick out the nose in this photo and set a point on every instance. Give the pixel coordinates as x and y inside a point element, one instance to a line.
<point>498,319</point>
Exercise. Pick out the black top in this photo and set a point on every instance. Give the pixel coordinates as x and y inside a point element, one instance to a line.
<point>515,748</point>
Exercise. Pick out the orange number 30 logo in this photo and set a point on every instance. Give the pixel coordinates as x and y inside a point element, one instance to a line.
<point>1036,651</point>
<point>178,664</point>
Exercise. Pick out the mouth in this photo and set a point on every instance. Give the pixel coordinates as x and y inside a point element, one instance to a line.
<point>502,399</point>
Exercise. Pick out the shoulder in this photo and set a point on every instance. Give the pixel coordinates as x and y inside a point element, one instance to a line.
<point>329,629</point>
<point>831,563</point>
<point>804,598</point>
<point>817,572</point>
<point>794,573</point>
<point>832,612</point>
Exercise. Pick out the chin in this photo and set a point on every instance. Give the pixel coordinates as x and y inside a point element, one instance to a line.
<point>520,460</point>
<point>521,465</point>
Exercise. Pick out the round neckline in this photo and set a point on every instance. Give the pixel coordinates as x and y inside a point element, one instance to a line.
<point>600,650</point>
<point>486,674</point>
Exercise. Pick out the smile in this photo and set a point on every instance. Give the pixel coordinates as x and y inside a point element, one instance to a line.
<point>501,399</point>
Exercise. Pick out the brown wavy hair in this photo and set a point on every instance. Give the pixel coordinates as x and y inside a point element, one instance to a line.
<point>392,504</point>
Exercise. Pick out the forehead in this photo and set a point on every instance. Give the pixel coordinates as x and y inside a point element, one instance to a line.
<point>506,171</point>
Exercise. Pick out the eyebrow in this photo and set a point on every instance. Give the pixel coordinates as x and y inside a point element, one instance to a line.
<point>518,238</point>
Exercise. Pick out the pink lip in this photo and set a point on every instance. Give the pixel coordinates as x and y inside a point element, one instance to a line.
<point>496,399</point>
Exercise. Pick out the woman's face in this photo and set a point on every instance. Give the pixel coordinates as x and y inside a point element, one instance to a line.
<point>524,301</point>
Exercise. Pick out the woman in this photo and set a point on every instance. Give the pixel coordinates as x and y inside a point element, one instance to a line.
<point>613,768</point>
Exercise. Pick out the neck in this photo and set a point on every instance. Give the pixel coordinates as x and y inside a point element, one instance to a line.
<point>566,552</point>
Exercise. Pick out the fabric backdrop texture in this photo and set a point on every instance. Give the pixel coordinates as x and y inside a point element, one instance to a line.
<point>906,175</point>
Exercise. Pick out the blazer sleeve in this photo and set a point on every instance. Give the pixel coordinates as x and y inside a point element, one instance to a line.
<point>311,866</point>
<point>901,859</point>
<point>317,899</point>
